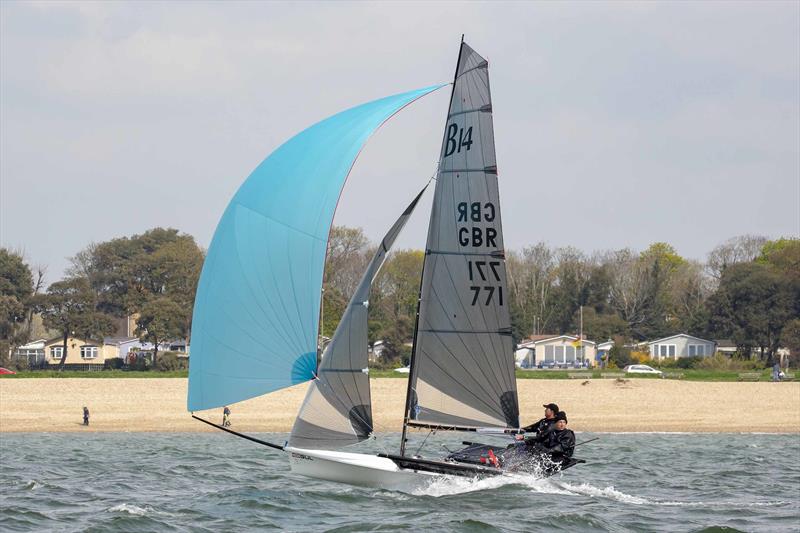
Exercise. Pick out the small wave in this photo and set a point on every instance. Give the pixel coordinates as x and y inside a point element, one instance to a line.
<point>33,485</point>
<point>584,489</point>
<point>130,509</point>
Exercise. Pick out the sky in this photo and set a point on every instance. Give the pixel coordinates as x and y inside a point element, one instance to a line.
<point>616,124</point>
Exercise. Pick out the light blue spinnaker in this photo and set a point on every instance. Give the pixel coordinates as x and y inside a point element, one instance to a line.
<point>256,312</point>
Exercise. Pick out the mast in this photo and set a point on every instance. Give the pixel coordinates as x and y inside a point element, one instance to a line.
<point>411,366</point>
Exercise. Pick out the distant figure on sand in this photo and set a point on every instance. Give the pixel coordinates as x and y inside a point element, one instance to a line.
<point>226,417</point>
<point>776,372</point>
<point>85,416</point>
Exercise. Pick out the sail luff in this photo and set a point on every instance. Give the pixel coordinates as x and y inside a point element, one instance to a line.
<point>337,410</point>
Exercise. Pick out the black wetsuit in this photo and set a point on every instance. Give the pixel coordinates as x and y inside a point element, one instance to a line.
<point>543,426</point>
<point>558,443</point>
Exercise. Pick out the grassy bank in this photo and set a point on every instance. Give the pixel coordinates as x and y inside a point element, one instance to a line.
<point>686,375</point>
<point>95,374</point>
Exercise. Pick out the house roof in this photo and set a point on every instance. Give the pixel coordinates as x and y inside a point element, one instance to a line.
<point>725,343</point>
<point>674,336</point>
<point>120,340</point>
<point>60,338</point>
<point>536,339</point>
<point>30,345</point>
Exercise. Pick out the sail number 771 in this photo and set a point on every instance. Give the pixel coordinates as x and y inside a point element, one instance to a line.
<point>488,271</point>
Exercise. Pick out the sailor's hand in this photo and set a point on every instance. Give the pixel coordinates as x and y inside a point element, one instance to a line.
<point>519,437</point>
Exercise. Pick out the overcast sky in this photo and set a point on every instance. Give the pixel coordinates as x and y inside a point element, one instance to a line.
<point>617,124</point>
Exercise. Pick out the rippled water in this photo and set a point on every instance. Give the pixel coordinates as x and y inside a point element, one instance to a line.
<point>216,482</point>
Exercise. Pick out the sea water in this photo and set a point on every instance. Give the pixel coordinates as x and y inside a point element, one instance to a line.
<point>217,482</point>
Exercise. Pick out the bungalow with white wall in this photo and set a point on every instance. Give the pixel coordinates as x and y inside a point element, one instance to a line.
<point>32,353</point>
<point>546,351</point>
<point>680,345</point>
<point>79,351</point>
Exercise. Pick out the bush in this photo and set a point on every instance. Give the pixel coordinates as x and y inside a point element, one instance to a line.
<point>723,362</point>
<point>620,357</point>
<point>114,363</point>
<point>169,361</point>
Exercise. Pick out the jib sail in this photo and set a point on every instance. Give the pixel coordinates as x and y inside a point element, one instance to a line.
<point>337,410</point>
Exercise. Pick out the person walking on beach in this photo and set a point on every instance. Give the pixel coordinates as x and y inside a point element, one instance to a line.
<point>226,417</point>
<point>776,371</point>
<point>85,416</point>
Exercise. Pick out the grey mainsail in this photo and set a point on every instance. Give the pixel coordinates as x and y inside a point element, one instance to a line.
<point>462,371</point>
<point>337,410</point>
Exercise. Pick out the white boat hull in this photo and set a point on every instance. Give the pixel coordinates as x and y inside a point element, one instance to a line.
<point>357,469</point>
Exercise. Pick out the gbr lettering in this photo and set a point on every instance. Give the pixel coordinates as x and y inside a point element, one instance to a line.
<point>485,275</point>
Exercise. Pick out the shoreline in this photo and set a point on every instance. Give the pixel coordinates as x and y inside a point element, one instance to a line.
<point>158,405</point>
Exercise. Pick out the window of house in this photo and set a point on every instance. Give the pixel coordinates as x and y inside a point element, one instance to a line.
<point>570,353</point>
<point>89,352</point>
<point>666,350</point>
<point>549,353</point>
<point>56,352</point>
<point>559,354</point>
<point>698,350</point>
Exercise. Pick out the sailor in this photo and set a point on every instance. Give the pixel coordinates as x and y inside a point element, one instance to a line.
<point>545,424</point>
<point>558,443</point>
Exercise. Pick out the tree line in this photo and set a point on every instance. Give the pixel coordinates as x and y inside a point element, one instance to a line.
<point>153,276</point>
<point>748,291</point>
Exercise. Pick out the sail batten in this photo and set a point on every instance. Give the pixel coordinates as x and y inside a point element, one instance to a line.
<point>256,311</point>
<point>462,372</point>
<point>337,410</point>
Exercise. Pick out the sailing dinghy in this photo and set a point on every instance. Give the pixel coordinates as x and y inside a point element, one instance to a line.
<point>256,314</point>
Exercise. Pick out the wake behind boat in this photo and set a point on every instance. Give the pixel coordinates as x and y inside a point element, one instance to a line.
<point>258,302</point>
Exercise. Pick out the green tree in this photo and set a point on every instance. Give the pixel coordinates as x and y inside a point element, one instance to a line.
<point>70,307</point>
<point>790,338</point>
<point>16,290</point>
<point>393,303</point>
<point>128,272</point>
<point>752,305</point>
<point>161,319</point>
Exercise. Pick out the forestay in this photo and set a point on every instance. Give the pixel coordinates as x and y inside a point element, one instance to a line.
<point>337,410</point>
<point>257,305</point>
<point>463,368</point>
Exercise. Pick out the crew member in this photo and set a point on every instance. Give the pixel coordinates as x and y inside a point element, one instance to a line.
<point>545,424</point>
<point>558,443</point>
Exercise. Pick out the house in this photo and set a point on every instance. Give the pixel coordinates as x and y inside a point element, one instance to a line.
<point>727,347</point>
<point>33,353</point>
<point>680,345</point>
<point>376,351</point>
<point>555,350</point>
<point>603,349</point>
<point>124,345</point>
<point>79,351</point>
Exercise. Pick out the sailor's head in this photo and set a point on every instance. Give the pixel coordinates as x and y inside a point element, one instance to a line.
<point>561,420</point>
<point>550,410</point>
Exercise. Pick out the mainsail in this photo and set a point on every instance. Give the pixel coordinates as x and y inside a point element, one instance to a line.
<point>462,371</point>
<point>256,313</point>
<point>337,410</point>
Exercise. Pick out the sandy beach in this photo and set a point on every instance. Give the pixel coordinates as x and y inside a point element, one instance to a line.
<point>159,404</point>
